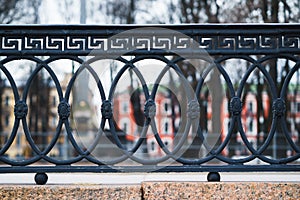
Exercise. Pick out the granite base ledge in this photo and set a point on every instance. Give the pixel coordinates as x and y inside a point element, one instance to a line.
<point>64,192</point>
<point>221,190</point>
<point>156,190</point>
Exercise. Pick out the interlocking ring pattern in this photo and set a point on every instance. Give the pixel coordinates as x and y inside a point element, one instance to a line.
<point>245,43</point>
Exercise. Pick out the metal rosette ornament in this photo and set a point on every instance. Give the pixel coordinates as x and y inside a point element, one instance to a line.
<point>147,108</point>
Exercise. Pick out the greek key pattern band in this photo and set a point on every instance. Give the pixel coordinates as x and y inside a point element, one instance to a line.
<point>210,38</point>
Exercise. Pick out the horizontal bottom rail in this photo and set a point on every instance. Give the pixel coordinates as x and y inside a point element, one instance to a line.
<point>150,168</point>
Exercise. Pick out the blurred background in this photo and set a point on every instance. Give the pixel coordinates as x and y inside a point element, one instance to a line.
<point>148,12</point>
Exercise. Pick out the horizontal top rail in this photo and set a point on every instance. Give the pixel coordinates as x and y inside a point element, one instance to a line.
<point>214,38</point>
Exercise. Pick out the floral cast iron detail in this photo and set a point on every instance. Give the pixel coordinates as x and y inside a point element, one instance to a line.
<point>64,110</point>
<point>20,109</point>
<point>279,107</point>
<point>235,106</point>
<point>106,109</point>
<point>193,109</point>
<point>150,109</point>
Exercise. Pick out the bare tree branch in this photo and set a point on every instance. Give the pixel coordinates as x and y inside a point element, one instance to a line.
<point>24,11</point>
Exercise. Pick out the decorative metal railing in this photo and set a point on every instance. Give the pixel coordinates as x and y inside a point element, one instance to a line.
<point>186,66</point>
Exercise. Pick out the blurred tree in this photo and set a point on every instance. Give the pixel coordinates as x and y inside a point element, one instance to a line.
<point>18,11</point>
<point>39,109</point>
<point>12,11</point>
<point>212,11</point>
<point>266,11</point>
<point>122,12</point>
<point>274,11</point>
<point>203,11</point>
<point>27,11</point>
<point>190,12</point>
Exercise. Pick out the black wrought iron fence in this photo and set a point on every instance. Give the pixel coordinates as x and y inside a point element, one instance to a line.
<point>184,98</point>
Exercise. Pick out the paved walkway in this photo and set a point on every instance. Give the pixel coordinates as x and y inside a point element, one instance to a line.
<point>137,178</point>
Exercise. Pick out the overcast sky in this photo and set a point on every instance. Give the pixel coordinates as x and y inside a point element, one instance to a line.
<point>51,12</point>
<point>57,12</point>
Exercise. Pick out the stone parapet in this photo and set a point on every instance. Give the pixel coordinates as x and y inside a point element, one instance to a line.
<point>156,190</point>
<point>220,190</point>
<point>74,192</point>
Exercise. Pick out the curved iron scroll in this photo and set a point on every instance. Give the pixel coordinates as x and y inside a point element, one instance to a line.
<point>255,45</point>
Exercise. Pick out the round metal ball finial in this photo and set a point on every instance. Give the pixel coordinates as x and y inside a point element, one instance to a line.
<point>213,177</point>
<point>41,178</point>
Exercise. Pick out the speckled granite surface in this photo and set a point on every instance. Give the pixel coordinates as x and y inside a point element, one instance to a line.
<point>155,190</point>
<point>222,190</point>
<point>62,192</point>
